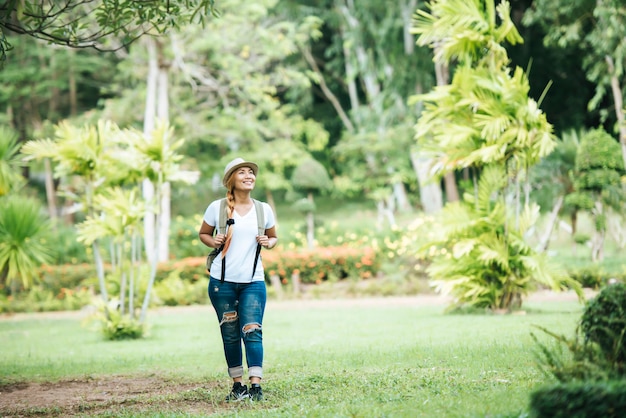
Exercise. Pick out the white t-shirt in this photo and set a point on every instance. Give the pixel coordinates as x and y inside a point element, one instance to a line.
<point>242,250</point>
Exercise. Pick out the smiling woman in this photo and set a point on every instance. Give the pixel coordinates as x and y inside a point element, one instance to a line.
<point>238,297</point>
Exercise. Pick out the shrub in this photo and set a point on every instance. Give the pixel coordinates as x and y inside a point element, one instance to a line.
<point>40,299</point>
<point>604,323</point>
<point>591,277</point>
<point>597,351</point>
<point>114,325</point>
<point>175,291</point>
<point>579,400</point>
<point>322,264</point>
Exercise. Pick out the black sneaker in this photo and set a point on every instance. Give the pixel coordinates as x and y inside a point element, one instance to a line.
<point>256,393</point>
<point>238,392</point>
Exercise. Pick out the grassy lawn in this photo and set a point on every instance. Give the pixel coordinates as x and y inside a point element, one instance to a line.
<point>323,359</point>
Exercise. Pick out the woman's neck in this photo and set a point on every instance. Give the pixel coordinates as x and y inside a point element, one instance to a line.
<point>242,197</point>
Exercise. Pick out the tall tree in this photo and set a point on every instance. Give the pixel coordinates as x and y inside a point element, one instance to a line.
<point>485,120</point>
<point>598,183</point>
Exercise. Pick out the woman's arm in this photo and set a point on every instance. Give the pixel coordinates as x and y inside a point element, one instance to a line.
<point>207,238</point>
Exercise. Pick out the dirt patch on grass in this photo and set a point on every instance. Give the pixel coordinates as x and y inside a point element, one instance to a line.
<point>110,395</point>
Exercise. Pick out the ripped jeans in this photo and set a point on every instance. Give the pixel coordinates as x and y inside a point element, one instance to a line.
<point>239,308</point>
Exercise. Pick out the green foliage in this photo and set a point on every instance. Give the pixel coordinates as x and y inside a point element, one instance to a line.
<point>41,298</point>
<point>599,163</point>
<point>82,23</point>
<point>593,28</point>
<point>24,240</point>
<point>482,26</point>
<point>597,181</point>
<point>572,358</point>
<point>597,351</point>
<point>604,323</point>
<point>480,256</point>
<point>116,326</point>
<point>322,264</point>
<point>582,201</point>
<point>552,177</point>
<point>176,291</point>
<point>579,400</point>
<point>310,175</point>
<point>304,205</point>
<point>590,276</point>
<point>10,176</point>
<point>484,116</point>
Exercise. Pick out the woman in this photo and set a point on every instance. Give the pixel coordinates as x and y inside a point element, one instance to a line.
<point>237,286</point>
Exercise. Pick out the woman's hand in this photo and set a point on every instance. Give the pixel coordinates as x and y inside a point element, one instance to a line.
<point>266,241</point>
<point>218,240</point>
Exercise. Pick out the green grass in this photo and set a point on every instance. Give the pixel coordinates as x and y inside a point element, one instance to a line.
<point>320,361</point>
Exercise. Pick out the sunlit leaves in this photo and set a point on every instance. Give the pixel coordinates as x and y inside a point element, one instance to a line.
<point>466,30</point>
<point>24,245</point>
<point>10,176</point>
<point>479,264</point>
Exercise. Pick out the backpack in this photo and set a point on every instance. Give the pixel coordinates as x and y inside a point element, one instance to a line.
<point>223,223</point>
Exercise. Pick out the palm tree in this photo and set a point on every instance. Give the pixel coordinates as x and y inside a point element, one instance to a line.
<point>484,120</point>
<point>157,160</point>
<point>10,177</point>
<point>83,153</point>
<point>480,265</point>
<point>24,244</point>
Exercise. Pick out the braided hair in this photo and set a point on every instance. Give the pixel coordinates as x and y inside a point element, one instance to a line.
<point>230,203</point>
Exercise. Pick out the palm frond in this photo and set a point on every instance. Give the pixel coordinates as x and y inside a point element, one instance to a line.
<point>24,243</point>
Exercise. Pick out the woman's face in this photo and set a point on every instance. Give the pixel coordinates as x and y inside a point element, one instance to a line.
<point>244,178</point>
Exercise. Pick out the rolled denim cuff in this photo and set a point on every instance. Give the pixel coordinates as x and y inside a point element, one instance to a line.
<point>235,371</point>
<point>255,371</point>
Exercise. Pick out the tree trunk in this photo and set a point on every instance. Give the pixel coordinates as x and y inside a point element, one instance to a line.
<point>452,191</point>
<point>310,225</point>
<point>73,95</point>
<point>442,74</point>
<point>100,271</point>
<point>163,116</point>
<point>430,191</point>
<point>554,216</point>
<point>618,100</point>
<point>149,124</point>
<point>597,244</point>
<point>400,196</point>
<point>50,190</point>
<point>269,197</point>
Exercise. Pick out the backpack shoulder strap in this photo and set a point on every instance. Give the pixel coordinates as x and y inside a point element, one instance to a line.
<point>260,216</point>
<point>221,224</point>
<point>260,220</point>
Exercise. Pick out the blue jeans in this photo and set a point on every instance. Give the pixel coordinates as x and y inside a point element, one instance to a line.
<point>239,308</point>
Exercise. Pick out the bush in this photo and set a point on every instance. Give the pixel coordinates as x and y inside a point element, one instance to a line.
<point>597,351</point>
<point>115,326</point>
<point>580,400</point>
<point>591,277</point>
<point>322,264</point>
<point>41,299</point>
<point>175,291</point>
<point>604,323</point>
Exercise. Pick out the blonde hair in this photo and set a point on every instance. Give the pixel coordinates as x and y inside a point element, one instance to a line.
<point>230,203</point>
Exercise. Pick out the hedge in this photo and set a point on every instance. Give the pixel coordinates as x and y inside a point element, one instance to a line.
<point>606,399</point>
